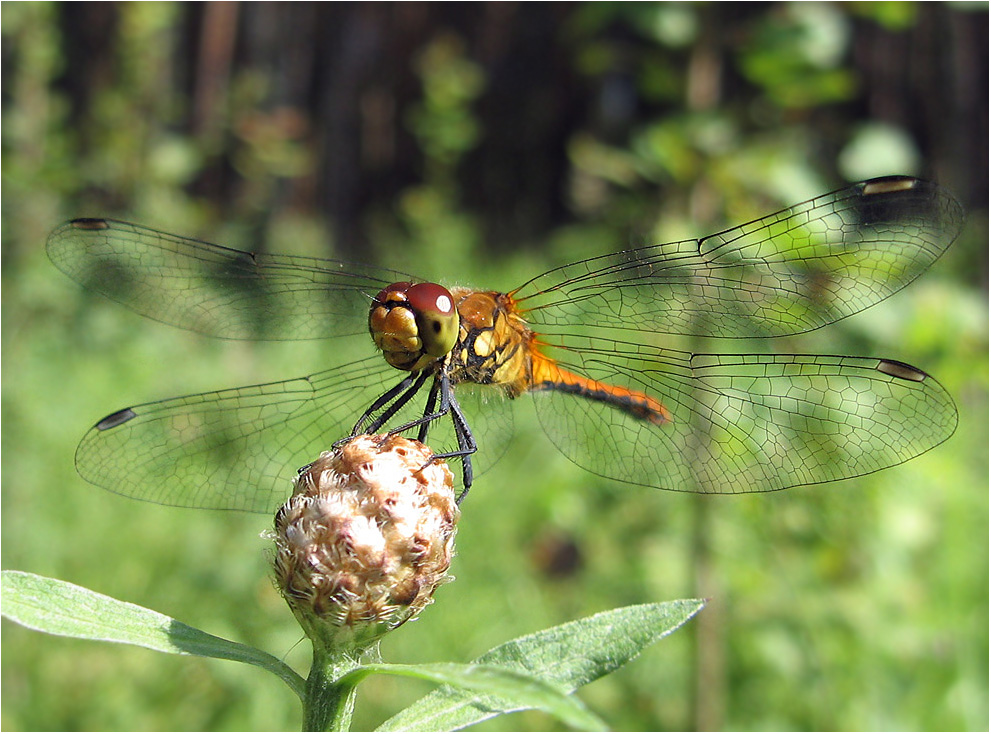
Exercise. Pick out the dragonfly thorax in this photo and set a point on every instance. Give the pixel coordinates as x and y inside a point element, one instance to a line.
<point>495,345</point>
<point>414,324</point>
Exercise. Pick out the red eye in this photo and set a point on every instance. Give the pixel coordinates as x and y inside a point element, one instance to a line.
<point>430,298</point>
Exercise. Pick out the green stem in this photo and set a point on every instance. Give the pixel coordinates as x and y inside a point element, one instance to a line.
<point>329,701</point>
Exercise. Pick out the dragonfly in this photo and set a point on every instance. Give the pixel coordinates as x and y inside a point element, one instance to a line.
<point>593,345</point>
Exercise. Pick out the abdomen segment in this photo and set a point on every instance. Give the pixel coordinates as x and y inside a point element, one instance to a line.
<point>548,375</point>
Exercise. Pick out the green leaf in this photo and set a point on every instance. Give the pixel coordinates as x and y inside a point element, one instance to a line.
<point>565,657</point>
<point>515,688</point>
<point>60,608</point>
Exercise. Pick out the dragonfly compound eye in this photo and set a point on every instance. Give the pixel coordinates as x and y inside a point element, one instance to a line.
<point>413,325</point>
<point>436,316</point>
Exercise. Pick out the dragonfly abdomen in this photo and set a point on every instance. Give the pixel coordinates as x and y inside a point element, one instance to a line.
<point>549,375</point>
<point>497,347</point>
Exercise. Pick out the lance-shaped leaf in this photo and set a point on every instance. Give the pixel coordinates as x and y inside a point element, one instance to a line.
<point>60,608</point>
<point>567,657</point>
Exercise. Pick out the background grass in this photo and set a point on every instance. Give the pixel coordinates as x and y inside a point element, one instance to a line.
<point>520,138</point>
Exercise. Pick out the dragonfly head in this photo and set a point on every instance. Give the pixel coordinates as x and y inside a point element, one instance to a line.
<point>414,324</point>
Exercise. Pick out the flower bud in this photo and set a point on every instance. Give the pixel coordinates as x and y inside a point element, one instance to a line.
<point>365,539</point>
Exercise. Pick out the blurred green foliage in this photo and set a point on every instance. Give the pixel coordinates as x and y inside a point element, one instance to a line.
<point>514,138</point>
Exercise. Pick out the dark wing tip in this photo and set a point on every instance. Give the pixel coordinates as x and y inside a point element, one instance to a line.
<point>945,207</point>
<point>889,185</point>
<point>115,419</point>
<point>89,223</point>
<point>901,370</point>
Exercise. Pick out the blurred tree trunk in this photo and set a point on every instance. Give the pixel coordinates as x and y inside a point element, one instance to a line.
<point>340,81</point>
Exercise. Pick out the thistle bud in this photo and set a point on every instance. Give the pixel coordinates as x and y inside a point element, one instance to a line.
<point>365,539</point>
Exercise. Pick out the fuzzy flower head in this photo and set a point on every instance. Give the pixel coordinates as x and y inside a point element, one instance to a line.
<point>365,539</point>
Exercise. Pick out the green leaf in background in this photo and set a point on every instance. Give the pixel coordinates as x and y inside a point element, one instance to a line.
<point>569,656</point>
<point>60,608</point>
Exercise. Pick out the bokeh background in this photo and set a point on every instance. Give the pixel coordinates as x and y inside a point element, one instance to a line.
<point>482,144</point>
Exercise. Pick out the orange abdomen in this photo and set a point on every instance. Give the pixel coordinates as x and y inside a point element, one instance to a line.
<point>497,347</point>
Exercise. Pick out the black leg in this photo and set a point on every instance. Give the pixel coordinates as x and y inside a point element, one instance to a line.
<point>397,398</point>
<point>405,391</point>
<point>428,410</point>
<point>466,441</point>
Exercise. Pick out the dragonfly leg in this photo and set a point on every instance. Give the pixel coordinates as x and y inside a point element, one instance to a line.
<point>466,441</point>
<point>466,444</point>
<point>398,396</point>
<point>428,410</point>
<point>424,421</point>
<point>448,406</point>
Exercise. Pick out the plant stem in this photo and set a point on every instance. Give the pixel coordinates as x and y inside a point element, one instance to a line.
<point>329,702</point>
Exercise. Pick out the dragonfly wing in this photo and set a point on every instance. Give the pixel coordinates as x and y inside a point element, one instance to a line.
<point>239,449</point>
<point>490,419</point>
<point>744,423</point>
<point>215,290</point>
<point>235,449</point>
<point>786,273</point>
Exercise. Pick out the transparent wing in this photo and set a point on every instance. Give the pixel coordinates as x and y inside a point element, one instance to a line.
<point>235,449</point>
<point>786,273</point>
<point>239,449</point>
<point>744,422</point>
<point>215,290</point>
<point>739,423</point>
